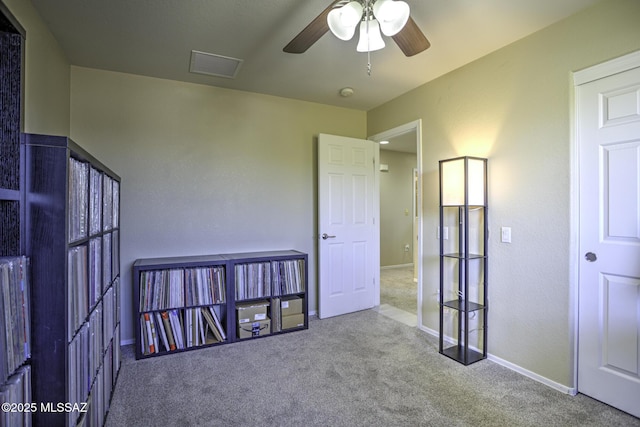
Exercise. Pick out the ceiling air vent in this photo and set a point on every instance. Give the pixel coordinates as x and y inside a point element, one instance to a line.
<point>214,65</point>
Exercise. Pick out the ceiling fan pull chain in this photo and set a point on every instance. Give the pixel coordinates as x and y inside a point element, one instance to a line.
<point>366,17</point>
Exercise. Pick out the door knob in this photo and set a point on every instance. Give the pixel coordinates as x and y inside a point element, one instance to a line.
<point>325,236</point>
<point>590,256</point>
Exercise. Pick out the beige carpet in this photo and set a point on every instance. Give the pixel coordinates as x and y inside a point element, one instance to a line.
<point>357,370</point>
<point>398,289</point>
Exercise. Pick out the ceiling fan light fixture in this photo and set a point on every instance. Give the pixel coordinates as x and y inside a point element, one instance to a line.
<point>392,15</point>
<point>370,37</point>
<point>344,20</point>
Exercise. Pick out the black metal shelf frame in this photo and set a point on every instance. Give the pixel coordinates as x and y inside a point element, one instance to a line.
<point>465,307</point>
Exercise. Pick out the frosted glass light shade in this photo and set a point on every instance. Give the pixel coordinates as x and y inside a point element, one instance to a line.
<point>392,15</point>
<point>370,40</point>
<point>454,182</point>
<point>343,20</point>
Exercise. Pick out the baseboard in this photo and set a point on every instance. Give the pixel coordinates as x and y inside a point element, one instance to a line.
<point>429,331</point>
<point>516,368</point>
<point>390,267</point>
<point>527,373</point>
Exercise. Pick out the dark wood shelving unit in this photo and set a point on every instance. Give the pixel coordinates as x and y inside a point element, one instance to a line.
<point>227,310</point>
<point>75,299</point>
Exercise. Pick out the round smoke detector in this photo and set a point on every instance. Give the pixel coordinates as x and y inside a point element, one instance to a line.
<point>346,92</point>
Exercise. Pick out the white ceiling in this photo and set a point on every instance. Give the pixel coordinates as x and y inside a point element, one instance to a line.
<point>155,38</point>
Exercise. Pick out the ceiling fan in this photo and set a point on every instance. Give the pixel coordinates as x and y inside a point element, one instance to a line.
<point>366,13</point>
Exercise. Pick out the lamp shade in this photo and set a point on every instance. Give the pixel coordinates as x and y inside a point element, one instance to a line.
<point>392,15</point>
<point>370,37</point>
<point>463,175</point>
<point>343,20</point>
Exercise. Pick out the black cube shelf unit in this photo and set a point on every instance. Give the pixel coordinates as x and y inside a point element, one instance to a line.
<point>72,237</point>
<point>190,302</point>
<point>463,259</point>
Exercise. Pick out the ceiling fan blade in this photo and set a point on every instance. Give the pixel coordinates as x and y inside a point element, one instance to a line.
<point>410,39</point>
<point>311,33</point>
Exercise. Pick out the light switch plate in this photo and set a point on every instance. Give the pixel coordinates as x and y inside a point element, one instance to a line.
<point>505,234</point>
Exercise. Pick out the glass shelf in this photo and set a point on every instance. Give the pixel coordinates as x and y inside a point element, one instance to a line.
<point>456,353</point>
<point>459,255</point>
<point>458,304</point>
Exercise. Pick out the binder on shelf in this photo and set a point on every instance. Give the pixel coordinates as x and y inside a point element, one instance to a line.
<point>107,208</point>
<point>161,329</point>
<point>161,289</point>
<point>78,199</point>
<point>213,324</point>
<point>253,280</point>
<point>205,285</point>
<point>176,323</point>
<point>115,200</point>
<point>95,270</point>
<point>288,277</point>
<point>15,314</point>
<point>78,277</point>
<point>107,277</point>
<point>16,390</point>
<point>276,325</point>
<point>151,338</point>
<point>169,331</point>
<point>95,201</point>
<point>216,320</point>
<point>109,319</point>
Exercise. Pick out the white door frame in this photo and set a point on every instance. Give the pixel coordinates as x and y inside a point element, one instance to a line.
<point>415,126</point>
<point>605,69</point>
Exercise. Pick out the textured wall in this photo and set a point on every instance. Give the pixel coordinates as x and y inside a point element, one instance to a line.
<point>205,170</point>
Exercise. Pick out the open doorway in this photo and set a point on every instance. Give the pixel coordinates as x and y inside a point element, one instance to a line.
<point>400,223</point>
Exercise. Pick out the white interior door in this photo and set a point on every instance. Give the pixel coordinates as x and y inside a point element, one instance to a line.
<point>608,131</point>
<point>348,251</point>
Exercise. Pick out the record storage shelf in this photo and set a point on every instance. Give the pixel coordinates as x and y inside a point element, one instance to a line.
<point>72,237</point>
<point>227,310</point>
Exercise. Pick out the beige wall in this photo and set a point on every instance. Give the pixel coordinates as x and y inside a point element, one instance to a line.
<point>205,170</point>
<point>514,107</point>
<point>396,208</point>
<point>46,102</point>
